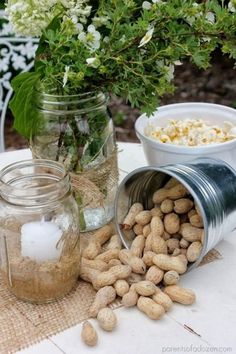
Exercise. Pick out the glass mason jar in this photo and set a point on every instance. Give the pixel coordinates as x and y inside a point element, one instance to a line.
<point>77,130</point>
<point>39,231</point>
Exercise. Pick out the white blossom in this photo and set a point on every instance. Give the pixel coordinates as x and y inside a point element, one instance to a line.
<point>232,6</point>
<point>147,37</point>
<point>146,5</point>
<point>93,62</point>
<point>210,17</point>
<point>170,72</point>
<point>31,17</point>
<point>91,38</point>
<point>123,39</point>
<point>65,78</point>
<point>100,20</point>
<point>178,62</point>
<point>77,10</point>
<point>106,39</point>
<point>80,27</point>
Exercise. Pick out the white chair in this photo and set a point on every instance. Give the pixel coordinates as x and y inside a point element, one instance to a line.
<point>16,55</point>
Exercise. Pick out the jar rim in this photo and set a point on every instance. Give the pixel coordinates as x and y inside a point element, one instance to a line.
<point>56,104</point>
<point>34,194</point>
<point>81,96</point>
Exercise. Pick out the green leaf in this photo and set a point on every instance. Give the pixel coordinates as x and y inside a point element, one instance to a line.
<point>23,103</point>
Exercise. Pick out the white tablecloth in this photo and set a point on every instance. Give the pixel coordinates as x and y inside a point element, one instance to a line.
<point>212,317</point>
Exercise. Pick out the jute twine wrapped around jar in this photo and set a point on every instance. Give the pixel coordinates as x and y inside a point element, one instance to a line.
<point>95,184</point>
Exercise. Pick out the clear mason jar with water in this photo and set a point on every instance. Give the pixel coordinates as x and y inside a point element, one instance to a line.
<point>77,130</point>
<point>39,231</point>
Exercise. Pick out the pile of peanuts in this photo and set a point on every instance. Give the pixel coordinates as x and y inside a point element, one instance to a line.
<point>168,238</point>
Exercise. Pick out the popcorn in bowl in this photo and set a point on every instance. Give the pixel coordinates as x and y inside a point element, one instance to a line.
<point>191,132</point>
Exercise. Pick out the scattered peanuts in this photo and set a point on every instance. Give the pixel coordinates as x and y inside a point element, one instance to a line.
<point>110,276</point>
<point>94,264</point>
<point>164,241</point>
<point>174,193</point>
<point>191,233</point>
<point>172,223</point>
<point>113,262</point>
<point>107,319</point>
<point>196,220</point>
<point>89,334</point>
<point>122,287</point>
<point>167,262</point>
<point>146,230</point>
<point>145,288</point>
<point>158,245</point>
<point>92,250</point>
<point>150,308</point>
<point>138,229</point>
<point>182,205</point>
<point>172,244</point>
<point>148,258</point>
<point>167,206</point>
<point>143,218</point>
<point>193,251</point>
<point>162,299</point>
<point>137,264</point>
<point>154,274</point>
<point>129,220</point>
<point>180,295</point>
<point>114,243</point>
<point>108,255</point>
<point>130,299</point>
<point>171,277</point>
<point>103,298</point>
<point>137,246</point>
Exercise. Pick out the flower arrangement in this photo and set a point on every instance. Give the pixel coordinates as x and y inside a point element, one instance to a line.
<point>88,49</point>
<point>127,47</point>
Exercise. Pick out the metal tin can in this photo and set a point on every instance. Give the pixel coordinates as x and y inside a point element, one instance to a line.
<point>211,182</point>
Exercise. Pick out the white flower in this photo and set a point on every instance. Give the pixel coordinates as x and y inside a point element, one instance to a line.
<point>100,20</point>
<point>80,27</point>
<point>123,39</point>
<point>178,62</point>
<point>65,78</point>
<point>146,5</point>
<point>206,39</point>
<point>31,17</point>
<point>170,72</point>
<point>232,6</point>
<point>106,39</point>
<point>91,38</point>
<point>93,62</point>
<point>147,37</point>
<point>210,17</point>
<point>77,10</point>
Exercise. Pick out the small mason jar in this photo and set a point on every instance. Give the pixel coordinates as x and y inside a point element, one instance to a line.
<point>77,130</point>
<point>39,231</point>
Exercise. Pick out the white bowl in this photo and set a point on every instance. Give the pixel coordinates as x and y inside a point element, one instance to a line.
<point>161,154</point>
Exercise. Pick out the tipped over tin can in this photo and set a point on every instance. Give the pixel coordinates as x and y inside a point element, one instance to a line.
<point>211,183</point>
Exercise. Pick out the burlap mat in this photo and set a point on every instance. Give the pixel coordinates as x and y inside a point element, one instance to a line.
<point>23,324</point>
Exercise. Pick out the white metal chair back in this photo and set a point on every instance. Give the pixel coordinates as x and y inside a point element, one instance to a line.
<point>16,55</point>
